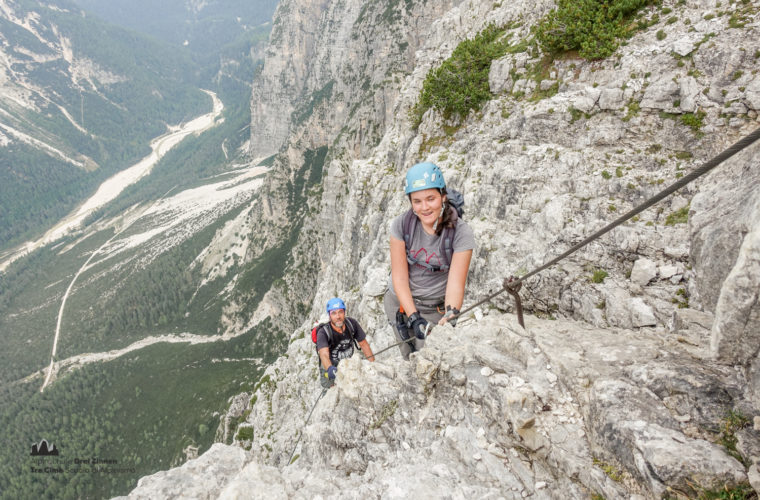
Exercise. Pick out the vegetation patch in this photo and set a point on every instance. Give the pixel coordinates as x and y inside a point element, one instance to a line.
<point>319,97</point>
<point>577,114</point>
<point>388,411</point>
<point>681,299</point>
<point>693,120</point>
<point>740,492</point>
<point>732,422</point>
<point>611,471</point>
<point>592,27</point>
<point>680,216</point>
<point>244,434</point>
<point>633,110</point>
<point>460,84</point>
<point>598,275</point>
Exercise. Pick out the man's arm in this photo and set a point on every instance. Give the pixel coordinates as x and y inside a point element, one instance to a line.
<point>324,356</point>
<point>367,350</point>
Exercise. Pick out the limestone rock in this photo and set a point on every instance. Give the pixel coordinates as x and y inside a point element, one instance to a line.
<point>611,99</point>
<point>721,213</point>
<point>644,271</point>
<point>499,78</point>
<point>754,477</point>
<point>376,282</point>
<point>204,477</point>
<point>683,47</point>
<point>661,94</point>
<point>736,330</point>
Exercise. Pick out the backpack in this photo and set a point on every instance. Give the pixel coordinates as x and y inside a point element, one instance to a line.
<point>456,200</point>
<point>329,333</point>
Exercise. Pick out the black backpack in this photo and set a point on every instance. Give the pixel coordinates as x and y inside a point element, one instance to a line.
<point>409,224</point>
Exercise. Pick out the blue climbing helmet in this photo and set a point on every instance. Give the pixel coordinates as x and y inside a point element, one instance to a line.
<point>335,303</point>
<point>422,176</point>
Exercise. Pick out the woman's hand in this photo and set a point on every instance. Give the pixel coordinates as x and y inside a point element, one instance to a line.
<point>451,316</point>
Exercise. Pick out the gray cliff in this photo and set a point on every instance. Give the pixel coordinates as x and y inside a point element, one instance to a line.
<point>638,372</point>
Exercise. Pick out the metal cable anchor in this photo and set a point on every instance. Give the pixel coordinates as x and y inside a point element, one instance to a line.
<point>513,289</point>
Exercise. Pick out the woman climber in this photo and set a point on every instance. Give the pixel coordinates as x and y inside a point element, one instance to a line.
<point>431,248</point>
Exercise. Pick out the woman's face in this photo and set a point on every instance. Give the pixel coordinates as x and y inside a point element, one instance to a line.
<point>427,205</point>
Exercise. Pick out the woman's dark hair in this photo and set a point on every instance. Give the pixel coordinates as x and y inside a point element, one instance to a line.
<point>447,220</point>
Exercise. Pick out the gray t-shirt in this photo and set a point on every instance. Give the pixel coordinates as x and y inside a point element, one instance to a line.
<point>424,283</point>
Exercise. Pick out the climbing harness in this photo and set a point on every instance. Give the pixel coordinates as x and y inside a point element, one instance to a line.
<point>305,424</point>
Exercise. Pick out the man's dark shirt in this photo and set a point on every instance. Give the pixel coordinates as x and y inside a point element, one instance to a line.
<point>342,346</point>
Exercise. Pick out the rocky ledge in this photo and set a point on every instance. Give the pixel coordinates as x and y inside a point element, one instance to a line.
<point>489,410</point>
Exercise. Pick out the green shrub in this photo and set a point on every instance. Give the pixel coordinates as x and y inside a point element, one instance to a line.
<point>244,434</point>
<point>693,120</point>
<point>633,110</point>
<point>592,27</point>
<point>681,299</point>
<point>598,276</point>
<point>684,155</point>
<point>678,217</point>
<point>460,84</point>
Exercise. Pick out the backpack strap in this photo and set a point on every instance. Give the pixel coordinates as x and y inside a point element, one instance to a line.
<point>351,332</point>
<point>408,225</point>
<point>329,334</point>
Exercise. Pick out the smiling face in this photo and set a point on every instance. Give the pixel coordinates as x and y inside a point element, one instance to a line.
<point>427,205</point>
<point>338,318</point>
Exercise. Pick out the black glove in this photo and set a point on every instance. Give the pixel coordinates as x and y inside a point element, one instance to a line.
<point>452,313</point>
<point>331,372</point>
<point>418,324</point>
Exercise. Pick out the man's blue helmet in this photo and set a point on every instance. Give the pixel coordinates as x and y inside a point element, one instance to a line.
<point>335,303</point>
<point>424,176</point>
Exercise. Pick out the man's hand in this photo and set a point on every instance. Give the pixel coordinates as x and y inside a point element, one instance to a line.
<point>418,324</point>
<point>332,372</point>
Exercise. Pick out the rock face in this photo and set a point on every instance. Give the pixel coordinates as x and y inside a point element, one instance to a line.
<point>640,354</point>
<point>725,242</point>
<point>556,410</point>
